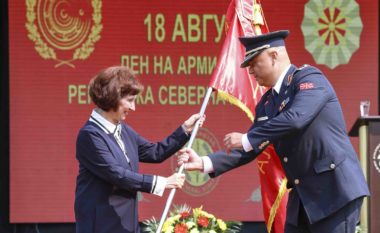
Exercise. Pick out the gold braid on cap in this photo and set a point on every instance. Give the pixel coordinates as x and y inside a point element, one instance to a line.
<point>257,49</point>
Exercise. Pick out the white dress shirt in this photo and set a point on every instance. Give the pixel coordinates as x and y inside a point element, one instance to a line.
<point>159,182</point>
<point>208,167</point>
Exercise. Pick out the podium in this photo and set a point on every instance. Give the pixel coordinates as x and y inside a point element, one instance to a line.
<point>368,130</point>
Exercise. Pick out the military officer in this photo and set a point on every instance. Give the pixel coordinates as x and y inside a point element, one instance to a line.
<point>302,117</point>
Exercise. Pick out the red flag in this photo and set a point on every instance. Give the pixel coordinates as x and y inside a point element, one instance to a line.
<point>236,85</point>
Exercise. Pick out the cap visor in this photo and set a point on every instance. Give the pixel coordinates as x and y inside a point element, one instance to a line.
<point>245,63</point>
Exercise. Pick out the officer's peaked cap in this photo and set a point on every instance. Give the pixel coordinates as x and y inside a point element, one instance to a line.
<point>254,45</point>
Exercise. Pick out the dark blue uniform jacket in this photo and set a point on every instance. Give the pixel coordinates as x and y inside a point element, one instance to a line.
<point>107,186</point>
<point>309,136</point>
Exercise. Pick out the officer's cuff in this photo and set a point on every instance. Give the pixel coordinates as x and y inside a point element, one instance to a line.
<point>207,165</point>
<point>246,144</point>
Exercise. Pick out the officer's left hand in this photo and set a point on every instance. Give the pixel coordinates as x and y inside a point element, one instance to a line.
<point>233,140</point>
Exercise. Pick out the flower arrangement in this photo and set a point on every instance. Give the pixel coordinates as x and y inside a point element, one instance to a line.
<point>359,229</point>
<point>181,220</point>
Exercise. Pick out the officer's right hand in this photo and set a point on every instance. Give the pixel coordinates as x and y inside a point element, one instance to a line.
<point>192,161</point>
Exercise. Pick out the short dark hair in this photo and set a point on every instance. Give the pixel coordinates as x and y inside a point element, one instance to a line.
<point>112,84</point>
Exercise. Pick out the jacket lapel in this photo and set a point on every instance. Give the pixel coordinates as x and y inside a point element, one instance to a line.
<point>129,149</point>
<point>283,95</point>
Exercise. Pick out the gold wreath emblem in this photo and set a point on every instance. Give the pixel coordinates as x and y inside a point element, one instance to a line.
<point>62,30</point>
<point>198,184</point>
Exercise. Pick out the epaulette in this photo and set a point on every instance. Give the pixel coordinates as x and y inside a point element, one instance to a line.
<point>301,68</point>
<point>290,77</point>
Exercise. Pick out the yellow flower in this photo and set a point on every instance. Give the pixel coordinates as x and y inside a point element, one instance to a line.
<point>207,215</point>
<point>167,223</point>
<point>170,229</point>
<point>164,226</point>
<point>170,220</point>
<point>195,230</point>
<point>212,231</point>
<point>176,218</point>
<point>222,225</point>
<point>197,212</point>
<point>190,224</point>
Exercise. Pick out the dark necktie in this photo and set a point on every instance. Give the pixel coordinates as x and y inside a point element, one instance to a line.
<point>275,96</point>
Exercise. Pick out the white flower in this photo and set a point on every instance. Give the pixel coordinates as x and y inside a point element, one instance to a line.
<point>169,229</point>
<point>190,224</point>
<point>195,230</point>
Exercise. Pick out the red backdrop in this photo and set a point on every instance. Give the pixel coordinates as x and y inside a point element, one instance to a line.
<point>56,47</point>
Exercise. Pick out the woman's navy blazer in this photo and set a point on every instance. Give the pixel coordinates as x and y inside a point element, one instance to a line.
<point>107,185</point>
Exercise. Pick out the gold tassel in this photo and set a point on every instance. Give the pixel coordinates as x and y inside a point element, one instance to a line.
<point>258,30</point>
<point>258,18</point>
<point>276,204</point>
<point>236,102</point>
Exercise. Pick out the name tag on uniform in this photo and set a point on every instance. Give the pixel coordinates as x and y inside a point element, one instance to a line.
<point>262,118</point>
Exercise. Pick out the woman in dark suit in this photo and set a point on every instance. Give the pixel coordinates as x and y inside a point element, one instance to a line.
<point>109,152</point>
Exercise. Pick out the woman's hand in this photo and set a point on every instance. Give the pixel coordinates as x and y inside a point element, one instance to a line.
<point>188,125</point>
<point>175,181</point>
